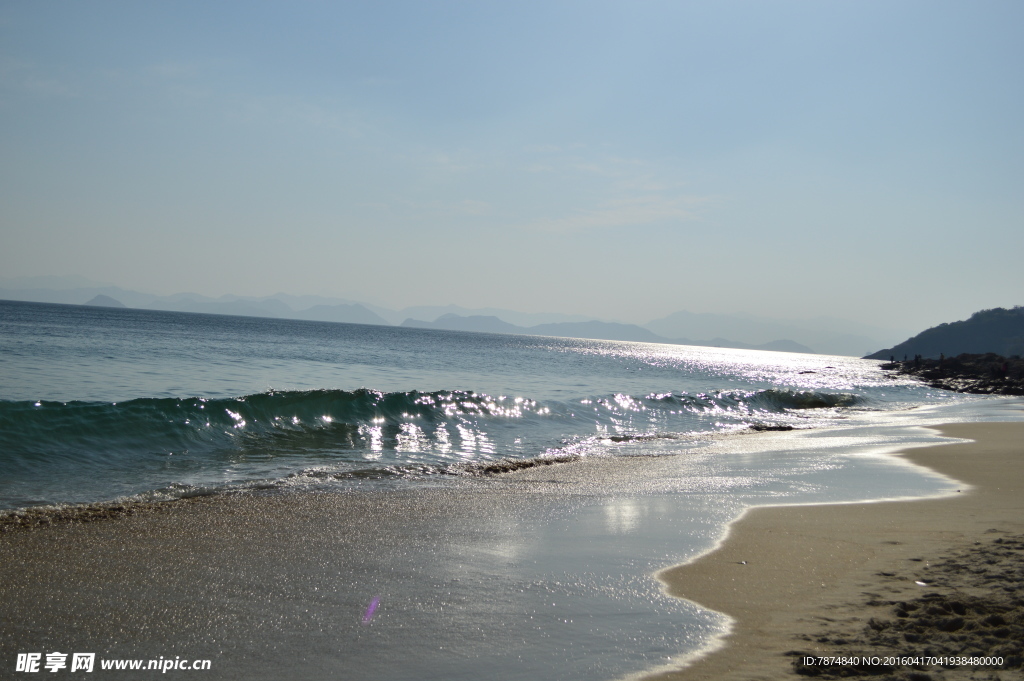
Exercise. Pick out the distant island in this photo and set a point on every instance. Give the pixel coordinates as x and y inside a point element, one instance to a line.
<point>104,301</point>
<point>591,329</point>
<point>824,335</point>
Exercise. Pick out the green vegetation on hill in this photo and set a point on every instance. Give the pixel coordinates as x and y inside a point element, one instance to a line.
<point>998,330</point>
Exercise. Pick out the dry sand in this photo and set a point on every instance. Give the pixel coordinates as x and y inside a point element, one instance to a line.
<point>937,576</point>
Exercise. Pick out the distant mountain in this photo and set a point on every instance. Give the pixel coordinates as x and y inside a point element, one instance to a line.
<point>104,301</point>
<point>783,345</point>
<point>830,336</point>
<point>280,305</point>
<point>601,330</point>
<point>435,312</point>
<point>303,302</point>
<point>348,314</point>
<point>76,296</point>
<point>491,324</point>
<point>826,335</point>
<point>591,329</point>
<point>477,323</point>
<point>246,308</point>
<point>997,330</point>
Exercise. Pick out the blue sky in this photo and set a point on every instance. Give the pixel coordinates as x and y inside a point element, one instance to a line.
<point>617,159</point>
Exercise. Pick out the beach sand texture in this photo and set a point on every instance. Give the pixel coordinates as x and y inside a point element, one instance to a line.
<point>258,582</point>
<point>276,586</point>
<point>810,579</point>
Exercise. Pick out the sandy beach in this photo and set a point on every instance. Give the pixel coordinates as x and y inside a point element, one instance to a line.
<point>332,585</point>
<point>836,580</point>
<point>540,573</point>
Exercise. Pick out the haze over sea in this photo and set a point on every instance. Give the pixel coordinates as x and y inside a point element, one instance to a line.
<point>105,404</point>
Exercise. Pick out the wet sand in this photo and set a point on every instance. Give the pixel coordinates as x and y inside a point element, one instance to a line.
<point>481,576</point>
<point>541,573</point>
<point>939,576</point>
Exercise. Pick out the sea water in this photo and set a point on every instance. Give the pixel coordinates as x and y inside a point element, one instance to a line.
<point>100,404</point>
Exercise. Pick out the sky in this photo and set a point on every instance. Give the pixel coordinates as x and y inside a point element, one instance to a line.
<point>623,160</point>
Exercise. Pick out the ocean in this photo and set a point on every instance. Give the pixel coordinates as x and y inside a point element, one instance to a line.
<point>100,405</point>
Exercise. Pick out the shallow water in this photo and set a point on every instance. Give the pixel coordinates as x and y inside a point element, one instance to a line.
<point>97,403</point>
<point>543,573</point>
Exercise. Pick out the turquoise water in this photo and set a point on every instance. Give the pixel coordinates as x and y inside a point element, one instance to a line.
<point>98,404</point>
<point>535,575</point>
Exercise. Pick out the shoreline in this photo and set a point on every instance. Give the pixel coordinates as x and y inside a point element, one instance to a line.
<point>791,577</point>
<point>258,582</point>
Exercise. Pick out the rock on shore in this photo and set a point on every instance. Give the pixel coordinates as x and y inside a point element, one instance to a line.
<point>987,374</point>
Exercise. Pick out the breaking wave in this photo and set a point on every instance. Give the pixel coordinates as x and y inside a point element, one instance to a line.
<point>195,443</point>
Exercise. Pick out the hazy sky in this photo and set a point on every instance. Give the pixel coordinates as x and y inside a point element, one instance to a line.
<point>618,159</point>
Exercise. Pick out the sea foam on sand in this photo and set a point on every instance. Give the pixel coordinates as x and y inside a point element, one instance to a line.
<point>883,580</point>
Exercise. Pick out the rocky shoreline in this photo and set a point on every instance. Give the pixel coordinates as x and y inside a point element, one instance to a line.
<point>987,374</point>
